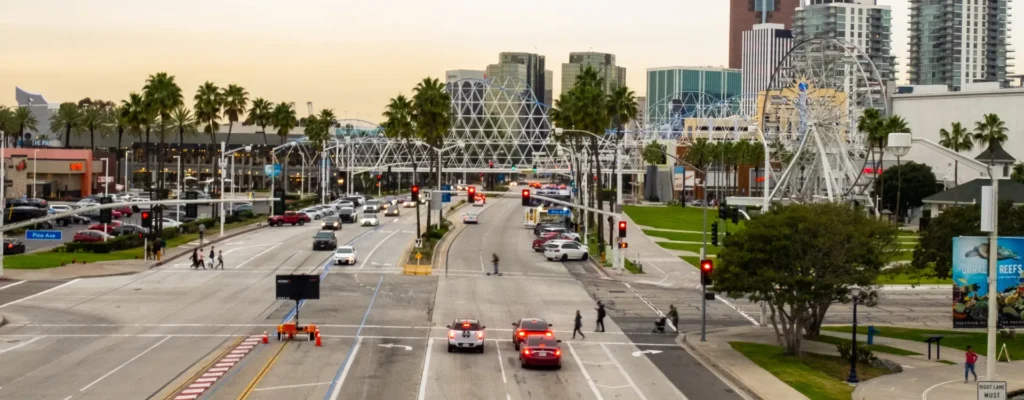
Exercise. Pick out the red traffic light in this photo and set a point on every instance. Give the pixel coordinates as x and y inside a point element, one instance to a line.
<point>622,229</point>
<point>706,265</point>
<point>378,177</point>
<point>145,215</point>
<point>415,189</point>
<point>526,193</point>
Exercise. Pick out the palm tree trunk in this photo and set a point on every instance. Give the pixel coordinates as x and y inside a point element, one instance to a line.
<point>264,129</point>
<point>146,177</point>
<point>67,137</point>
<point>597,192</point>
<point>160,163</point>
<point>956,181</point>
<point>231,125</point>
<point>120,155</point>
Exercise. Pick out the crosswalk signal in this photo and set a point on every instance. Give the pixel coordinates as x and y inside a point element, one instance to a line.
<point>415,193</point>
<point>513,167</point>
<point>147,219</point>
<point>707,267</point>
<point>714,234</point>
<point>490,164</point>
<point>472,192</point>
<point>526,197</point>
<point>623,245</point>
<point>622,229</point>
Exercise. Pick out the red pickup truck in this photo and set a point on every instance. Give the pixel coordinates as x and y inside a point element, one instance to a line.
<point>289,217</point>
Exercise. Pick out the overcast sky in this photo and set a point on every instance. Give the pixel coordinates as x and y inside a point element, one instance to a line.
<point>349,56</point>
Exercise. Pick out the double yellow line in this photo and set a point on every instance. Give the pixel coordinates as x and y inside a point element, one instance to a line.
<point>263,372</point>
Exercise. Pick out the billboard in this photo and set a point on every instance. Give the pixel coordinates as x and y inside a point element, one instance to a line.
<point>678,178</point>
<point>970,286</point>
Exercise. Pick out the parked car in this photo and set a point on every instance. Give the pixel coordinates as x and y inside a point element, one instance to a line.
<point>12,246</point>
<point>109,227</point>
<point>129,229</point>
<point>25,213</point>
<point>90,236</point>
<point>241,207</point>
<point>566,251</point>
<point>313,213</point>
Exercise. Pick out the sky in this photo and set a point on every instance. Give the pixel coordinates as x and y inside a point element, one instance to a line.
<point>348,56</point>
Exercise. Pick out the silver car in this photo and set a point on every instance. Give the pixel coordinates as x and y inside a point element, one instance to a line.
<point>466,334</point>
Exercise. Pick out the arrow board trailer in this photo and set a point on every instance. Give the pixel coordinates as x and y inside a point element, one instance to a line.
<point>299,287</point>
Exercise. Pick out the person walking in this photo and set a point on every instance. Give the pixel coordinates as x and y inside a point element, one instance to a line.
<point>494,259</point>
<point>213,257</point>
<point>673,315</point>
<point>578,326</point>
<point>600,317</point>
<point>220,259</point>
<point>202,232</point>
<point>200,260</point>
<point>972,358</point>
<point>194,257</point>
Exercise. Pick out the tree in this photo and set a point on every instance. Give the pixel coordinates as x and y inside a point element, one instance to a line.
<point>654,153</point>
<point>66,120</point>
<point>622,108</point>
<point>1017,173</point>
<point>6,122</point>
<point>398,125</point>
<point>94,118</point>
<point>235,99</point>
<point>801,258</point>
<point>283,119</point>
<point>136,114</point>
<point>917,182</point>
<point>895,123</point>
<point>754,155</point>
<point>990,131</point>
<point>933,256</point>
<point>590,114</point>
<point>958,139</point>
<point>23,119</point>
<point>432,107</point>
<point>119,122</point>
<point>183,122</point>
<point>163,95</point>
<point>260,115</point>
<point>208,103</point>
<point>564,115</point>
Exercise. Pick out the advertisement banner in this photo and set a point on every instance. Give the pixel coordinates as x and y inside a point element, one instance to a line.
<point>970,286</point>
<point>678,178</point>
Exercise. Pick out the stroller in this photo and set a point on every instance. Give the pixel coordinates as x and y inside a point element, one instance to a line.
<point>659,325</point>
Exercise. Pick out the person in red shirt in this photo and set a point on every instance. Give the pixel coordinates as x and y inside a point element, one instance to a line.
<point>972,358</point>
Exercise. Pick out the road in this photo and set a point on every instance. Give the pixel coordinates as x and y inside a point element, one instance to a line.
<point>162,332</point>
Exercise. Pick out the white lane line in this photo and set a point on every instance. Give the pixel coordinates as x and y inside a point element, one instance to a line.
<point>125,364</point>
<point>257,255</point>
<point>22,344</point>
<point>590,382</point>
<point>543,278</point>
<point>348,366</point>
<point>68,398</point>
<point>624,373</point>
<point>370,254</point>
<point>426,371</point>
<point>291,386</point>
<point>924,396</point>
<point>501,364</point>
<point>39,294</point>
<point>12,285</point>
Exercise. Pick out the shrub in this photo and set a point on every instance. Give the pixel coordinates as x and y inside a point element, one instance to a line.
<point>118,243</point>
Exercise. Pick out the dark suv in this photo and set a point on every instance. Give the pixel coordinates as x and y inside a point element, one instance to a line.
<point>325,240</point>
<point>347,214</point>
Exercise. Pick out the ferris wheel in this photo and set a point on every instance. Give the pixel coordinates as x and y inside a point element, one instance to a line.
<point>809,116</point>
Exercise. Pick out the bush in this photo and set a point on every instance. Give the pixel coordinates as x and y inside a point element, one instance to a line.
<point>118,243</point>
<point>863,355</point>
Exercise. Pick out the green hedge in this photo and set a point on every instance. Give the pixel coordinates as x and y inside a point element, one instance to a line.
<point>126,242</point>
<point>118,243</point>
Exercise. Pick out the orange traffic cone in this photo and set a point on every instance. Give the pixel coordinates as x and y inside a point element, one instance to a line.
<point>265,338</point>
<point>318,343</point>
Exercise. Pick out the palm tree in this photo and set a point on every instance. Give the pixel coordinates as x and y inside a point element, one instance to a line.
<point>399,126</point>
<point>283,118</point>
<point>120,122</point>
<point>235,100</point>
<point>66,120</point>
<point>208,103</point>
<point>94,118</point>
<point>184,122</point>
<point>163,96</point>
<point>6,117</point>
<point>564,115</point>
<point>259,115</point>
<point>871,123</point>
<point>959,139</point>
<point>990,131</point>
<point>432,118</point>
<point>755,157</point>
<point>23,119</point>
<point>136,114</point>
<point>591,115</point>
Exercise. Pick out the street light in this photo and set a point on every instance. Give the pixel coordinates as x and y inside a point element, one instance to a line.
<point>225,153</point>
<point>855,295</point>
<point>178,206</point>
<point>460,144</point>
<point>128,159</point>
<point>106,186</point>
<point>35,172</point>
<point>899,143</point>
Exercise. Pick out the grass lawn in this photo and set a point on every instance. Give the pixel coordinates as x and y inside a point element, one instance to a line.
<point>695,248</point>
<point>895,277</point>
<point>816,376</point>
<point>678,236</point>
<point>861,345</point>
<point>596,255</point>
<point>693,260</point>
<point>51,259</point>
<point>678,218</point>
<point>953,339</point>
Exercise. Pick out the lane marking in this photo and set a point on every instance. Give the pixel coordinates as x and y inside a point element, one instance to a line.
<point>12,285</point>
<point>501,364</point>
<point>335,390</point>
<point>40,293</point>
<point>290,386</point>
<point>426,370</point>
<point>924,396</point>
<point>344,372</point>
<point>125,364</point>
<point>624,373</point>
<point>586,375</point>
<point>370,254</point>
<point>22,344</point>
<point>257,255</point>
<point>263,372</point>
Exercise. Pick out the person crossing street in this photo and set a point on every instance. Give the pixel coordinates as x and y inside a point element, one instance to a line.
<point>220,259</point>
<point>199,259</point>
<point>578,326</point>
<point>213,257</point>
<point>600,317</point>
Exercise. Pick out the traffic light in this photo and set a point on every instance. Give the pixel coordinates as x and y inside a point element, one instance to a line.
<point>279,203</point>
<point>535,168</point>
<point>623,245</point>
<point>526,197</point>
<point>472,192</point>
<point>714,234</point>
<point>147,219</point>
<point>622,229</point>
<point>191,210</point>
<point>723,211</point>
<point>513,167</point>
<point>735,215</point>
<point>378,178</point>
<point>415,193</point>
<point>707,267</point>
<point>106,214</point>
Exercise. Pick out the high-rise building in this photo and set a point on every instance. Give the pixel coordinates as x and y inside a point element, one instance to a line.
<point>453,75</point>
<point>862,23</point>
<point>744,14</point>
<point>549,88</point>
<point>763,48</point>
<point>613,76</point>
<point>956,42</point>
<point>715,84</point>
<point>528,68</point>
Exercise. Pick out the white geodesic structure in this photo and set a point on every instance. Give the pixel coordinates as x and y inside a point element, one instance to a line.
<point>809,117</point>
<point>493,121</point>
<point>687,116</point>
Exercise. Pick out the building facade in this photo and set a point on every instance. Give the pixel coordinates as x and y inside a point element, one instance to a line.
<point>763,48</point>
<point>458,74</point>
<point>526,67</point>
<point>863,23</point>
<point>957,42</point>
<point>662,83</point>
<point>744,14</point>
<point>613,76</point>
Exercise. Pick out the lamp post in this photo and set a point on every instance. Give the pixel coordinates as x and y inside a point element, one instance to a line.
<point>461,145</point>
<point>855,295</point>
<point>273,169</point>
<point>224,153</point>
<point>178,206</point>
<point>3,184</point>
<point>128,159</point>
<point>35,172</point>
<point>106,187</point>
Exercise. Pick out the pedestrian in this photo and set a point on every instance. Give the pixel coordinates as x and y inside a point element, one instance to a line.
<point>600,317</point>
<point>673,315</point>
<point>494,259</point>
<point>194,258</point>
<point>213,257</point>
<point>220,259</point>
<point>972,358</point>
<point>202,231</point>
<point>201,262</point>
<point>578,326</point>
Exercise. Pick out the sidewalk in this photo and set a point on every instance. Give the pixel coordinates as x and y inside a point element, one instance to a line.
<point>657,261</point>
<point>944,382</point>
<point>717,353</point>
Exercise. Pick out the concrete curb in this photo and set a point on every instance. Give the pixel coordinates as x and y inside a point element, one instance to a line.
<point>241,231</point>
<point>731,376</point>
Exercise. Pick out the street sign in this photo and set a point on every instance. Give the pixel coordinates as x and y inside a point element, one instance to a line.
<point>419,243</point>
<point>272,170</point>
<point>105,179</point>
<point>559,211</point>
<point>44,235</point>
<point>419,255</point>
<point>445,196</point>
<point>991,390</point>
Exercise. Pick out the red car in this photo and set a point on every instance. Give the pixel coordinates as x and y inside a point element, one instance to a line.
<point>91,236</point>
<point>528,327</point>
<point>538,243</point>
<point>125,211</point>
<point>109,230</point>
<point>541,350</point>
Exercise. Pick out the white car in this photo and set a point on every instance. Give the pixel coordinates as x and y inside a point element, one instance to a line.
<point>369,220</point>
<point>471,218</point>
<point>409,204</point>
<point>565,251</point>
<point>345,255</point>
<point>371,208</point>
<point>313,213</point>
<point>466,334</point>
<point>478,203</point>
<point>59,208</point>
<point>170,223</point>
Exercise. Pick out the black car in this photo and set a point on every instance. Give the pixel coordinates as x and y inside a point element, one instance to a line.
<point>12,246</point>
<point>325,240</point>
<point>24,213</point>
<point>347,215</point>
<point>540,227</point>
<point>331,224</point>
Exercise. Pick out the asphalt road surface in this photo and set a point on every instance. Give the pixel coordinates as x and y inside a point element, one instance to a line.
<point>153,334</point>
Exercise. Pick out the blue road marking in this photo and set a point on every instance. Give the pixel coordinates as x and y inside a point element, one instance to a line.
<point>355,341</point>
